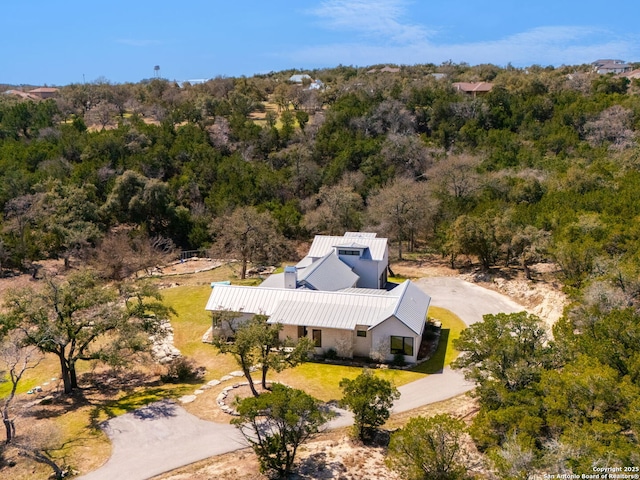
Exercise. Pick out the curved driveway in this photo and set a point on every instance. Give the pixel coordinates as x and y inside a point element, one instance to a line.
<point>163,436</point>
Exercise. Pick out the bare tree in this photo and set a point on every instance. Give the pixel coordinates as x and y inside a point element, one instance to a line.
<point>614,126</point>
<point>122,254</point>
<point>38,441</point>
<point>457,175</point>
<point>337,209</point>
<point>102,114</point>
<point>401,210</point>
<point>407,154</point>
<point>17,360</point>
<point>248,235</point>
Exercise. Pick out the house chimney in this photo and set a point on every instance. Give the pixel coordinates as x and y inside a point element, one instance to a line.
<point>290,277</point>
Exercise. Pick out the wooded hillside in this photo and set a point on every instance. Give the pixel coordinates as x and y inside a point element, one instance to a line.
<point>543,167</point>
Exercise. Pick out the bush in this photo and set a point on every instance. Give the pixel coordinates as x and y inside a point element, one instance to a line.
<point>430,335</point>
<point>182,369</point>
<point>398,360</point>
<point>370,398</point>
<point>331,354</point>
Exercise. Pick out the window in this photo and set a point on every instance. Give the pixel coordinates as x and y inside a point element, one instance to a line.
<point>302,332</point>
<point>348,252</point>
<point>317,338</point>
<point>361,333</point>
<point>403,345</point>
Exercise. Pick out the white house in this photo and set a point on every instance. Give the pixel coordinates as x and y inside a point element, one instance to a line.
<point>604,66</point>
<point>366,254</point>
<point>336,296</point>
<point>357,259</point>
<point>355,321</point>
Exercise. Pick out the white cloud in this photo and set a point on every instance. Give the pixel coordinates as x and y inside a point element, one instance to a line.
<point>379,18</point>
<point>555,45</point>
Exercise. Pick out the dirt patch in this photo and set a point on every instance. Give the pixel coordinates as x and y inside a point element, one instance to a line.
<point>542,295</point>
<point>430,266</point>
<point>331,455</point>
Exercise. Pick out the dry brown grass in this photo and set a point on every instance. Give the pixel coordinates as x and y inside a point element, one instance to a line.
<point>331,455</point>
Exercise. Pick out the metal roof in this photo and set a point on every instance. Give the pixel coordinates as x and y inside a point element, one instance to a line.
<point>327,315</point>
<point>328,274</point>
<point>360,234</point>
<point>342,309</point>
<point>323,244</point>
<point>412,306</point>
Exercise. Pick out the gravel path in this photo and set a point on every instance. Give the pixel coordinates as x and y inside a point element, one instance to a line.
<point>163,436</point>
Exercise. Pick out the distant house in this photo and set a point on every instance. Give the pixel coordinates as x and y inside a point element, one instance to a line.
<point>473,88</point>
<point>605,66</point>
<point>304,78</point>
<point>632,75</point>
<point>316,85</point>
<point>336,296</point>
<point>44,92</point>
<point>21,94</point>
<point>300,78</point>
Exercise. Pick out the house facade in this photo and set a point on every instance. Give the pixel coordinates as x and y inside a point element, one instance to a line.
<point>358,322</point>
<point>335,296</point>
<point>605,66</point>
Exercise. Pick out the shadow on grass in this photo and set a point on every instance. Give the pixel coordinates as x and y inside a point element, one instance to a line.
<point>137,400</point>
<point>436,363</point>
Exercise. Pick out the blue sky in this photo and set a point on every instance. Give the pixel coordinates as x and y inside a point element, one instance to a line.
<point>58,42</point>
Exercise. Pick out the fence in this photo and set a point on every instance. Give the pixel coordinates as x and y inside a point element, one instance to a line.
<point>187,254</point>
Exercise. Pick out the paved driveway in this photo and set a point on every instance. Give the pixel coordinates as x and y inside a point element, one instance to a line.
<point>470,302</point>
<point>163,436</point>
<point>160,437</point>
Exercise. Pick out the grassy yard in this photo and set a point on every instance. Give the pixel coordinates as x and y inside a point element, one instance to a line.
<point>86,447</point>
<point>452,326</point>
<point>190,325</point>
<point>318,379</point>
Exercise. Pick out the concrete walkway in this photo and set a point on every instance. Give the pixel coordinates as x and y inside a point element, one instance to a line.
<point>163,436</point>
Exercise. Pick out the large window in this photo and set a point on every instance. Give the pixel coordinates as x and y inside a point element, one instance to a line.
<point>317,338</point>
<point>403,345</point>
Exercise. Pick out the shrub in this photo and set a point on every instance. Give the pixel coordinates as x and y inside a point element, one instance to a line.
<point>398,360</point>
<point>182,369</point>
<point>331,354</point>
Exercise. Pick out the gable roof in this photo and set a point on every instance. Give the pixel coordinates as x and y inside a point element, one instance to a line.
<point>632,74</point>
<point>21,94</point>
<point>328,273</point>
<point>412,306</point>
<point>324,244</point>
<point>342,309</point>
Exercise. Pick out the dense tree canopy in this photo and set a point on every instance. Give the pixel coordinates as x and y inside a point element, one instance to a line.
<point>543,168</point>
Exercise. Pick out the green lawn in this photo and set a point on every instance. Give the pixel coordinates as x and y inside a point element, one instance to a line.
<point>452,326</point>
<point>318,379</point>
<point>190,324</point>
